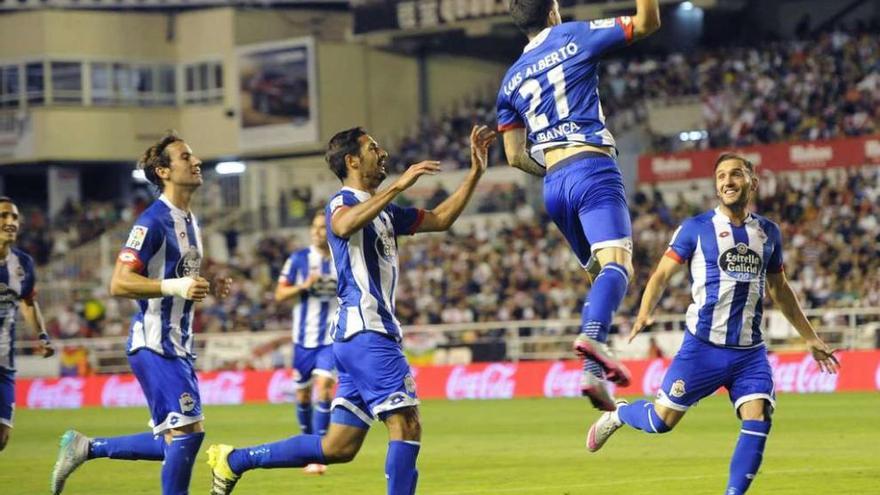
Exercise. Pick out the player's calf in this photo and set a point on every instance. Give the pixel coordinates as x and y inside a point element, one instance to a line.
<point>642,415</point>
<point>5,432</point>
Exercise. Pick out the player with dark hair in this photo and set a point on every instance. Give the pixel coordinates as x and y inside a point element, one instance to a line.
<point>732,255</point>
<point>309,278</point>
<point>159,267</point>
<point>553,126</point>
<point>18,279</point>
<point>375,380</point>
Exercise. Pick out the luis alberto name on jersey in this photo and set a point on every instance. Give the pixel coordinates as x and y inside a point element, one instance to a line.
<point>553,88</point>
<point>728,266</point>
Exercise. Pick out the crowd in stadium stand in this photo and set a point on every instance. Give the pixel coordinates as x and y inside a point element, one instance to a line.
<point>784,90</point>
<point>522,268</point>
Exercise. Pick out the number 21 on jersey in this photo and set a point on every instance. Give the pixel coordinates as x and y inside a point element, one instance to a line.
<point>531,89</point>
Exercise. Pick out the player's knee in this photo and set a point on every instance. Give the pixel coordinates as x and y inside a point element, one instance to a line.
<point>405,424</point>
<point>338,452</point>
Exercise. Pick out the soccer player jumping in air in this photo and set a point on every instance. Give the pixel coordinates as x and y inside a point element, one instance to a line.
<point>309,278</point>
<point>159,267</point>
<point>549,100</point>
<point>17,291</point>
<point>732,256</point>
<point>375,380</point>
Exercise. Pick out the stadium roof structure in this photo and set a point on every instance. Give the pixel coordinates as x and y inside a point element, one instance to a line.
<point>19,5</point>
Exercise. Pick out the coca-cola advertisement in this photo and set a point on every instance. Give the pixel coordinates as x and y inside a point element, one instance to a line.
<point>844,152</point>
<point>792,373</point>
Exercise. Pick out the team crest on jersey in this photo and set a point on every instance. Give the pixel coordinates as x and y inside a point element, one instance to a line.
<point>189,264</point>
<point>385,244</point>
<point>740,262</point>
<point>677,389</point>
<point>187,403</point>
<point>136,237</point>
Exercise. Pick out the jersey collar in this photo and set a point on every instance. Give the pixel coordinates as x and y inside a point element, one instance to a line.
<point>538,39</point>
<point>171,206</point>
<point>749,218</point>
<point>360,195</point>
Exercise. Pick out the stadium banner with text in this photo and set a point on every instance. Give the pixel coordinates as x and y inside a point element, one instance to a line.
<point>792,372</point>
<point>408,15</point>
<point>278,94</point>
<point>783,157</point>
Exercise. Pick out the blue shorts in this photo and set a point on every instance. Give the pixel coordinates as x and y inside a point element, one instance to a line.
<point>374,377</point>
<point>7,396</point>
<point>700,368</point>
<point>171,388</point>
<point>585,197</point>
<point>314,361</point>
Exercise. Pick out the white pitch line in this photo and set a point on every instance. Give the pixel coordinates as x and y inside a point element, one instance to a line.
<point>600,483</point>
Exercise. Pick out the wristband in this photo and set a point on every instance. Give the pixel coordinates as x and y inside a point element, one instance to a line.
<point>178,287</point>
<point>44,337</point>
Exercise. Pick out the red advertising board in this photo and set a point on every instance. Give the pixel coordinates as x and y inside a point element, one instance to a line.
<point>793,373</point>
<point>808,155</point>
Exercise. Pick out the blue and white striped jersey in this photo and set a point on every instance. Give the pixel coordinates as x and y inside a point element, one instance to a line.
<point>728,267</point>
<point>553,89</point>
<point>367,267</point>
<point>17,281</point>
<point>313,309</point>
<point>164,243</point>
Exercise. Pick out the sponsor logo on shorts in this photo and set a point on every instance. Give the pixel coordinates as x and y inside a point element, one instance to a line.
<point>187,403</point>
<point>677,389</point>
<point>136,237</point>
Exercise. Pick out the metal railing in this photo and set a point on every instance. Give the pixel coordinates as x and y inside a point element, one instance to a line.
<point>842,328</point>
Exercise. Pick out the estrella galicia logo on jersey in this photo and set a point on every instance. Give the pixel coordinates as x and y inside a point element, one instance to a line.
<point>187,403</point>
<point>740,262</point>
<point>189,263</point>
<point>324,287</point>
<point>8,297</point>
<point>385,244</point>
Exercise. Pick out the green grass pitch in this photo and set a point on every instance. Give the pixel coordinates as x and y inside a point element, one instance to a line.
<point>820,444</point>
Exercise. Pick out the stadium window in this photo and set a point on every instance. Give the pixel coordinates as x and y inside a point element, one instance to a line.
<point>166,94</point>
<point>190,94</point>
<point>67,82</point>
<point>35,91</point>
<point>124,84</point>
<point>204,83</point>
<point>10,87</point>
<point>102,87</point>
<point>145,84</point>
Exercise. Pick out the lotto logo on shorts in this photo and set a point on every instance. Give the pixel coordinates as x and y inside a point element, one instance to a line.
<point>187,403</point>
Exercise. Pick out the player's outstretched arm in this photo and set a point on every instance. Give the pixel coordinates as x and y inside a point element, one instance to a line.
<point>126,282</point>
<point>346,220</point>
<point>784,297</point>
<point>444,215</point>
<point>30,311</point>
<point>647,18</point>
<point>653,292</point>
<point>517,153</point>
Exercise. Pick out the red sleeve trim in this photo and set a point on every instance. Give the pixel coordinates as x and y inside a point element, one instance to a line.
<point>419,219</point>
<point>672,254</point>
<point>282,282</point>
<point>625,23</point>
<point>512,125</point>
<point>333,212</point>
<point>131,258</point>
